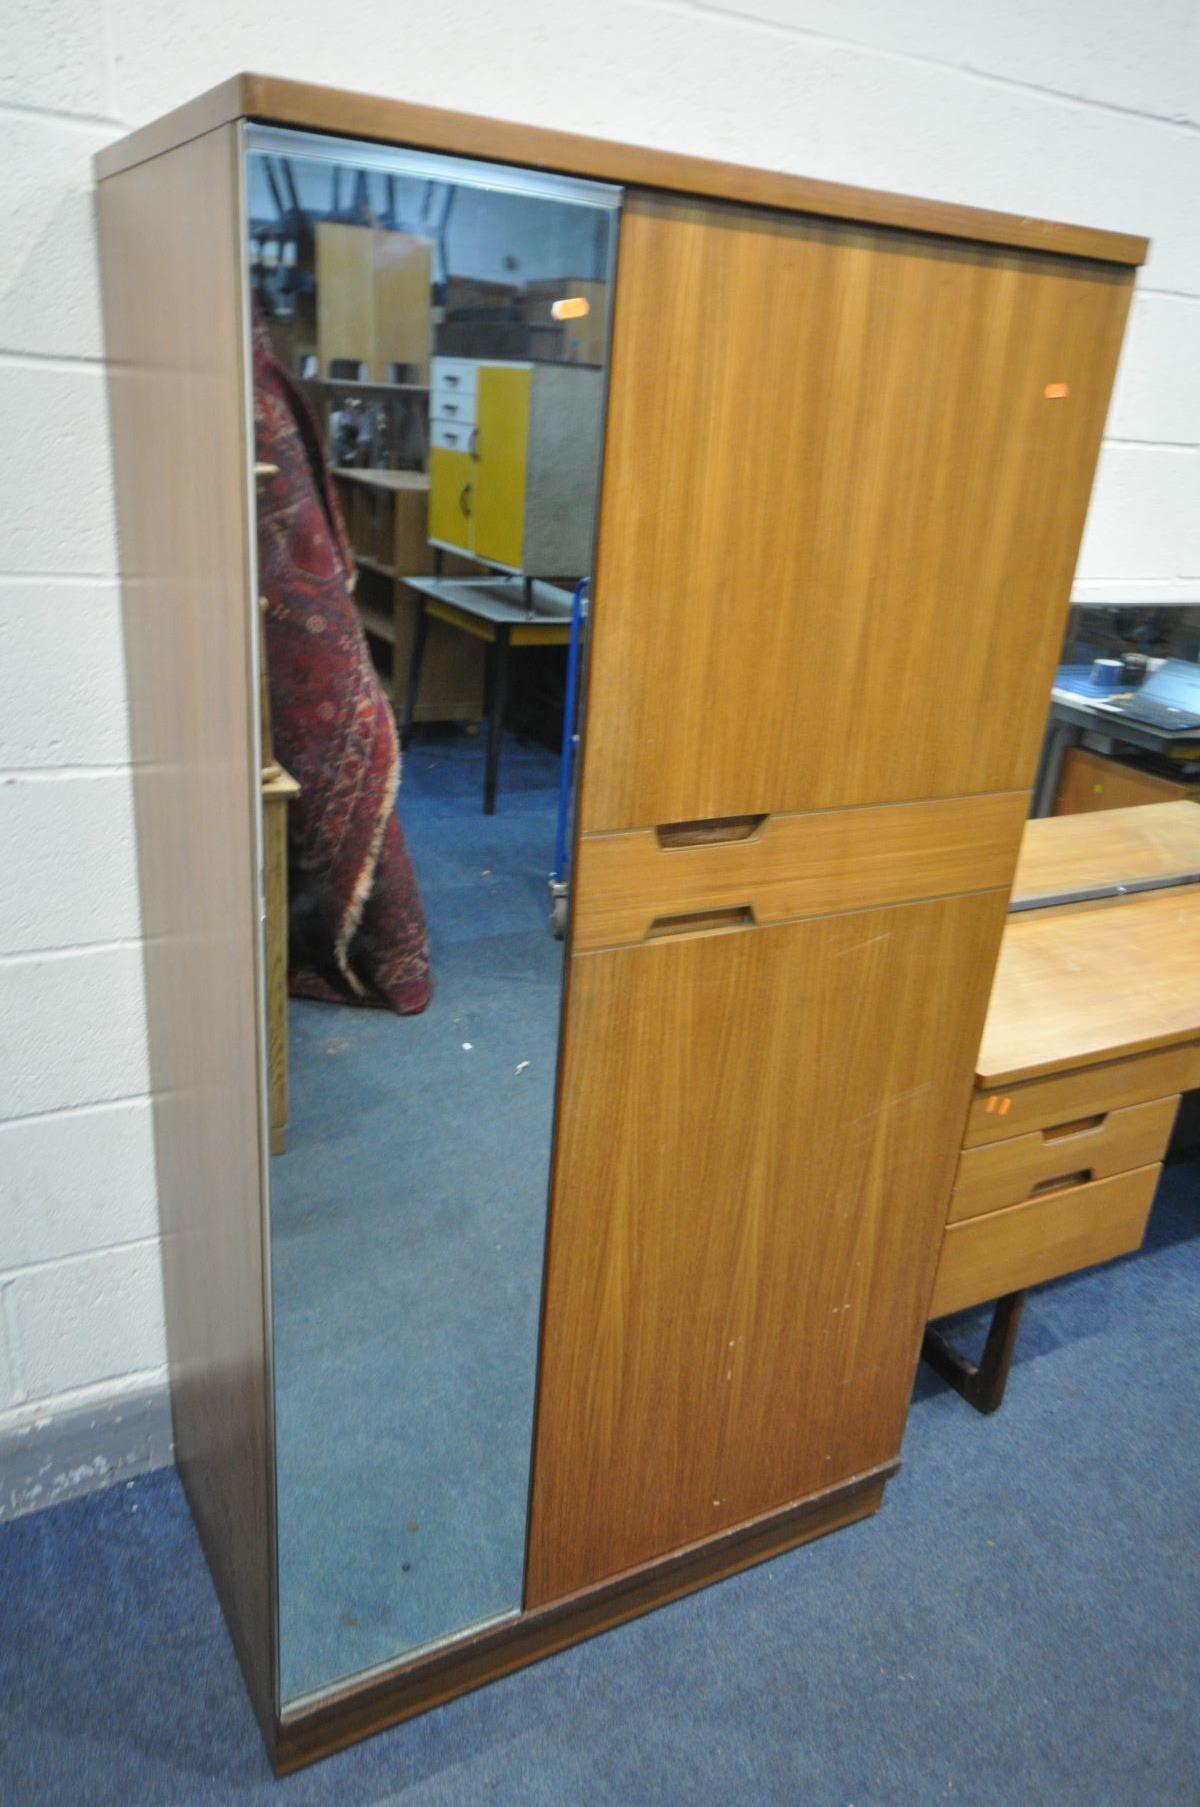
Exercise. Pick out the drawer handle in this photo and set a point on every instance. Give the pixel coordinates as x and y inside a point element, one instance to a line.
<point>1061,1181</point>
<point>1082,1126</point>
<point>448,376</point>
<point>708,831</point>
<point>450,407</point>
<point>741,916</point>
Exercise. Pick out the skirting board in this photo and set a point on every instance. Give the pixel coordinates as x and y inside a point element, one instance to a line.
<point>57,1457</point>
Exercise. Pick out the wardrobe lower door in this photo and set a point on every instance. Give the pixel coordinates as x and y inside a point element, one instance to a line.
<point>757,1138</point>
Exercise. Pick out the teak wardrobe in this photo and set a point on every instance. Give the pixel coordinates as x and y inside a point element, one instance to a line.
<point>849,446</point>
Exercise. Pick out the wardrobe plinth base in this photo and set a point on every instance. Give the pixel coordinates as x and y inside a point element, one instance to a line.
<point>358,1712</point>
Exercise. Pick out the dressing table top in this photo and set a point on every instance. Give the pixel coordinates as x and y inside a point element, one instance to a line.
<point>1089,981</point>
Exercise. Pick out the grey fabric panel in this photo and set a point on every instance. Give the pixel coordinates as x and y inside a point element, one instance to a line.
<point>562,481</point>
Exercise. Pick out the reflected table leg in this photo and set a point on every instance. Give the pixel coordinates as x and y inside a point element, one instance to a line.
<point>420,635</point>
<point>1059,737</point>
<point>497,684</point>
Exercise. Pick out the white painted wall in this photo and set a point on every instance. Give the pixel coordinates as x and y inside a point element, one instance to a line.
<point>1077,109</point>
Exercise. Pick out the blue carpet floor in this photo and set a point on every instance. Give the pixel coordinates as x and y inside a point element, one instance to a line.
<point>407,1231</point>
<point>1019,1627</point>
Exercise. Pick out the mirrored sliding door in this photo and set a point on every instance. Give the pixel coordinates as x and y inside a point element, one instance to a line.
<point>429,344</point>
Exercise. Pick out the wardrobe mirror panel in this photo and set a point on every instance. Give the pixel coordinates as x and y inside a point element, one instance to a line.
<point>429,339</point>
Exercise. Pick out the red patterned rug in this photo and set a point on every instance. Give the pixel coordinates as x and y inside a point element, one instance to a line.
<point>356,928</point>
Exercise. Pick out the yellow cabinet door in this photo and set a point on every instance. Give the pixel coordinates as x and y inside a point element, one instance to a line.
<point>501,446</point>
<point>451,497</point>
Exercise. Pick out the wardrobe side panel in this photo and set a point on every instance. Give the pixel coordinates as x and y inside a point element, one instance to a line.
<point>845,479</point>
<point>171,262</point>
<point>757,1138</point>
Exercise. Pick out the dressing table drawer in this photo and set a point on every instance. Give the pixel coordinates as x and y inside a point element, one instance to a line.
<point>1046,1160</point>
<point>1024,1245</point>
<point>998,1113</point>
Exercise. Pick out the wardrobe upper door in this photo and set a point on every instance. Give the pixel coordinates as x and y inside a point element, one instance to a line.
<point>846,475</point>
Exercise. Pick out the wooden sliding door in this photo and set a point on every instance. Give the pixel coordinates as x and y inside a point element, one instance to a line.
<point>846,475</point>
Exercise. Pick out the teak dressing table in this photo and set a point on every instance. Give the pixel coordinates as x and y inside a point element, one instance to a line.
<point>1092,1033</point>
<point>843,420</point>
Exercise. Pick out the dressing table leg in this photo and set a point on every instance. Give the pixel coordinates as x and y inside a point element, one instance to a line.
<point>982,1386</point>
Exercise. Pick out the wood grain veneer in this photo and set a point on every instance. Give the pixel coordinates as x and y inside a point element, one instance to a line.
<point>1062,854</point>
<point>793,866</point>
<point>1028,1244</point>
<point>1007,1111</point>
<point>309,106</point>
<point>1098,1145</point>
<point>1062,997</point>
<point>830,458</point>
<point>834,443</point>
<point>172,258</point>
<point>757,1135</point>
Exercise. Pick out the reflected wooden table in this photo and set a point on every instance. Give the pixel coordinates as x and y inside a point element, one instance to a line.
<point>1066,768</point>
<point>388,516</point>
<point>504,612</point>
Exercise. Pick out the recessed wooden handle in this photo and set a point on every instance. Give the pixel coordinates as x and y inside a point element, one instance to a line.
<point>1082,1126</point>
<point>700,922</point>
<point>708,831</point>
<point>1061,1181</point>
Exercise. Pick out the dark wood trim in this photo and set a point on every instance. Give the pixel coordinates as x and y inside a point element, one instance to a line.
<point>309,107</point>
<point>355,1712</point>
<point>981,1385</point>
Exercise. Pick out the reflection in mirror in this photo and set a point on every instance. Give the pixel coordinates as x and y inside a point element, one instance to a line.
<point>428,354</point>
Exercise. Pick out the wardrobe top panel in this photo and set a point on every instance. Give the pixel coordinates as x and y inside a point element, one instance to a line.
<point>305,105</point>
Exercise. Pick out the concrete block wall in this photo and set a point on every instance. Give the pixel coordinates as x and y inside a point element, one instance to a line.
<point>1050,107</point>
